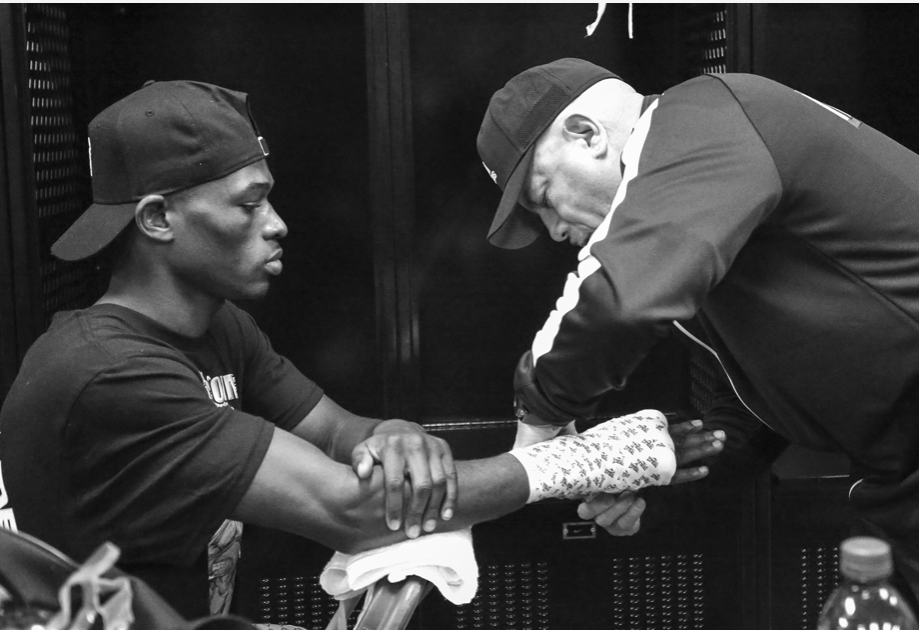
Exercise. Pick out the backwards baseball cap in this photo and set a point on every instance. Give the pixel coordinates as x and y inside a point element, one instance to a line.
<point>517,115</point>
<point>163,138</point>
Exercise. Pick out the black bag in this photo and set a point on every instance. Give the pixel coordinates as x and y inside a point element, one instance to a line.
<point>33,572</point>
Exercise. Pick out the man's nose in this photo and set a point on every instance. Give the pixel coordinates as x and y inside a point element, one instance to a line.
<point>559,232</point>
<point>274,225</point>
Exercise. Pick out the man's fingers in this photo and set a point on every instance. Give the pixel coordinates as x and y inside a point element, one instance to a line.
<point>683,475</point>
<point>701,438</point>
<point>419,471</point>
<point>685,428</point>
<point>697,446</point>
<point>436,495</point>
<point>395,482</point>
<point>627,524</point>
<point>614,504</point>
<point>449,504</point>
<point>620,515</point>
<point>362,461</point>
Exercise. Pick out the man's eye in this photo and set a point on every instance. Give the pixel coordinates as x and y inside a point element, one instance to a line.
<point>250,207</point>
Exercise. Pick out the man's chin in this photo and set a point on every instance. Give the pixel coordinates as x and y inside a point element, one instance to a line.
<point>253,294</point>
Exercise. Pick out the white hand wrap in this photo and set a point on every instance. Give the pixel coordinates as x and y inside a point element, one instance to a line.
<point>621,454</point>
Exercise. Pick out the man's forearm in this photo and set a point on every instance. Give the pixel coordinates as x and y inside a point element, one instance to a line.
<point>488,489</point>
<point>334,430</point>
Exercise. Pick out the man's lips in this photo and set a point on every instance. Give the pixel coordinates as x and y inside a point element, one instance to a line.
<point>274,264</point>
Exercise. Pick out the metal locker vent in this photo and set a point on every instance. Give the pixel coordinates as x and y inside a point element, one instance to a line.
<point>657,593</point>
<point>61,180</point>
<point>703,379</point>
<point>704,38</point>
<point>818,576</point>
<point>650,593</point>
<point>297,601</point>
<point>509,596</point>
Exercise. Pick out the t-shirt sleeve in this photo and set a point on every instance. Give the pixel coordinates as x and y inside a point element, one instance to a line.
<point>697,181</point>
<point>272,387</point>
<point>154,461</point>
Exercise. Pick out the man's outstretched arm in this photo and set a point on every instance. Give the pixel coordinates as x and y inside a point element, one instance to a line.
<point>300,490</point>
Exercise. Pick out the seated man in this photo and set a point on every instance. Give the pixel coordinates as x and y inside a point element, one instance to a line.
<point>155,415</point>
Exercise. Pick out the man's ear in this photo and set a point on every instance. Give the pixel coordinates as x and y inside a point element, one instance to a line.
<point>586,130</point>
<point>152,220</point>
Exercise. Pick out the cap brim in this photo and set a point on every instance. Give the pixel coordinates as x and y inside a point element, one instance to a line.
<point>514,226</point>
<point>96,228</point>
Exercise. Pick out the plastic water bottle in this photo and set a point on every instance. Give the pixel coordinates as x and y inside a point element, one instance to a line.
<point>865,600</point>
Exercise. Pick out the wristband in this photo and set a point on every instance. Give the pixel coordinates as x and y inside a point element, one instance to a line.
<point>626,453</point>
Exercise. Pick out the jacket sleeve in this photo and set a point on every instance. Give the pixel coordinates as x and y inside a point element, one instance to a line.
<point>697,181</point>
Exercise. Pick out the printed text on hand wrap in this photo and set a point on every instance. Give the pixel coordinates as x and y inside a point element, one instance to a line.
<point>621,454</point>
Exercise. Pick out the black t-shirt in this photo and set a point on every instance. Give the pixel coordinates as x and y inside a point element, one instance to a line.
<point>117,429</point>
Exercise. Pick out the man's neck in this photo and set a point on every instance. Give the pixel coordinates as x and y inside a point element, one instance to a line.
<point>187,315</point>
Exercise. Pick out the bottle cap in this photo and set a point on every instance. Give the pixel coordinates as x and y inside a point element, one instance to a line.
<point>864,558</point>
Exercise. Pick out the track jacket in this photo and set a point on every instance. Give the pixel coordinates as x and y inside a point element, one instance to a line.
<point>788,230</point>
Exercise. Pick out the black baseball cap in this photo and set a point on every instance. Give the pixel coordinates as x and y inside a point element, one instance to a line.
<point>517,115</point>
<point>165,137</point>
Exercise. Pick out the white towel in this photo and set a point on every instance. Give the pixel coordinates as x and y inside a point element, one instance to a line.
<point>447,560</point>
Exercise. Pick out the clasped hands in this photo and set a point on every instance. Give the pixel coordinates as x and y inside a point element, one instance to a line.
<point>419,468</point>
<point>416,465</point>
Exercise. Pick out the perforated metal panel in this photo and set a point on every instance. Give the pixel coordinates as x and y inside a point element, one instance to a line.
<point>704,38</point>
<point>703,371</point>
<point>297,601</point>
<point>665,592</point>
<point>61,180</point>
<point>658,592</point>
<point>651,592</point>
<point>819,575</point>
<point>510,596</point>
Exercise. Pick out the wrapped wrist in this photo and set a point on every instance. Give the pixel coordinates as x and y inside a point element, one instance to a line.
<point>621,454</point>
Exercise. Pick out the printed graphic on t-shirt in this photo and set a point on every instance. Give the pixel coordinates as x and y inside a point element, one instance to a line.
<point>220,389</point>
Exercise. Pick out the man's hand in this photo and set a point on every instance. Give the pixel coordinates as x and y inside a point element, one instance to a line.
<point>415,464</point>
<point>620,514</point>
<point>693,443</point>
